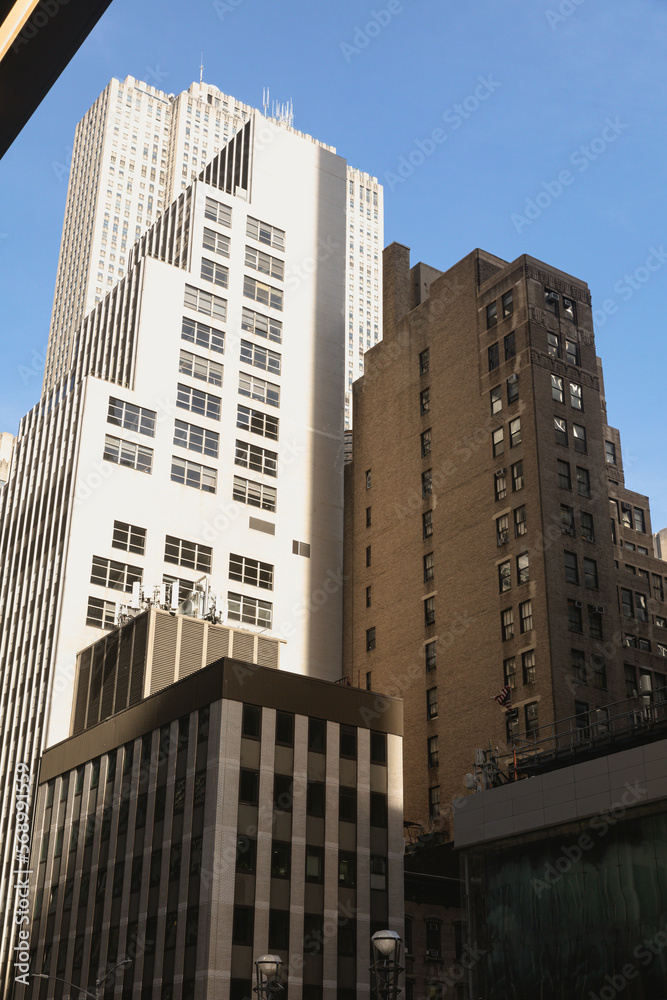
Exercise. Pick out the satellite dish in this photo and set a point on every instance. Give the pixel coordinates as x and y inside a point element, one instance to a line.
<point>190,606</point>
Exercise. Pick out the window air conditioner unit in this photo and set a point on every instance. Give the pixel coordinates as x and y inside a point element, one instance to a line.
<point>552,296</point>
<point>513,378</point>
<point>577,604</point>
<point>501,472</point>
<point>432,953</point>
<point>598,609</point>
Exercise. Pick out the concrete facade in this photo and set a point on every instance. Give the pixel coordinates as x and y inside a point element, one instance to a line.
<point>239,811</point>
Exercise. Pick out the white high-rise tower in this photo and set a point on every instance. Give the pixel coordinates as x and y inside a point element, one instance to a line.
<point>135,150</point>
<point>190,426</point>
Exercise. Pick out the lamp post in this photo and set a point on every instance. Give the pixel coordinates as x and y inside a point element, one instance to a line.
<point>99,983</point>
<point>386,964</point>
<point>268,969</point>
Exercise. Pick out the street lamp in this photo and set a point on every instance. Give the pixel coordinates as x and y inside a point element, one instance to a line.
<point>268,969</point>
<point>386,964</point>
<point>99,983</point>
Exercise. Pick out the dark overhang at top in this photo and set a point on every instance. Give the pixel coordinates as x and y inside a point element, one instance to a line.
<point>37,40</point>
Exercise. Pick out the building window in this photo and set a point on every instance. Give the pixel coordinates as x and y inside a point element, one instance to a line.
<point>347,804</point>
<point>114,575</point>
<point>314,864</point>
<point>317,735</point>
<point>368,555</point>
<point>190,554</point>
<point>429,570</point>
<point>426,443</point>
<point>432,751</point>
<point>100,614</point>
<point>658,590</point>
<point>370,639</point>
<point>260,292</point>
<point>259,389</point>
<point>129,538</point>
<point>216,243</point>
<point>368,597</point>
<point>574,618</point>
<point>424,361</point>
<point>641,608</point>
<point>508,304</point>
<point>217,212</point>
<point>491,315</point>
<point>627,603</point>
<point>264,233</point>
<point>378,747</point>
<point>368,479</point>
<point>507,624</point>
<point>260,357</point>
<point>599,673</point>
<point>195,438</point>
<point>430,656</point>
<point>528,666</point>
<point>378,810</point>
<point>531,716</point>
<point>560,430</point>
<point>572,352</point>
<point>131,417</point>
<point>510,346</point>
<point>315,798</point>
<point>500,484</point>
<point>504,576</point>
<point>564,477</point>
<point>610,452</point>
<point>526,616</point>
<point>494,357</point>
<point>256,422</point>
<point>251,571</point>
<point>640,524</point>
<point>569,309</point>
<point>368,517</point>
<point>591,574</point>
<point>496,399</point>
<point>587,530</point>
<point>206,303</point>
<point>427,483</point>
<point>250,456</point>
<point>347,869</point>
<point>515,432</point>
<point>517,476</point>
<point>203,336</point>
<point>583,482</point>
<point>424,401</point>
<point>553,345</point>
<point>132,456</point>
<point>429,611</point>
<point>427,524</point>
<point>579,666</point>
<point>576,400</point>
<point>249,610</point>
<point>571,567</point>
<point>567,519</point>
<point>520,527</point>
<point>557,388</point>
<point>432,703</point>
<point>204,403</point>
<point>254,494</point>
<point>502,529</point>
<point>522,568</point>
<point>200,477</point>
<point>264,263</point>
<point>434,802</point>
<point>497,442</point>
<point>579,435</point>
<point>509,672</point>
<point>262,326</point>
<point>214,272</point>
<point>512,389</point>
<point>348,742</point>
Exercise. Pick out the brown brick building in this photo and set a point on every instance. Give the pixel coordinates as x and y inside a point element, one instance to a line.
<point>478,544</point>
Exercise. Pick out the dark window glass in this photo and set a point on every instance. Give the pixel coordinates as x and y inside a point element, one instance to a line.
<point>348,741</point>
<point>279,930</point>
<point>252,719</point>
<point>248,786</point>
<point>378,748</point>
<point>317,735</point>
<point>378,809</point>
<point>348,804</point>
<point>347,869</point>
<point>280,859</point>
<point>315,798</point>
<point>282,793</point>
<point>242,929</point>
<point>314,864</point>
<point>246,853</point>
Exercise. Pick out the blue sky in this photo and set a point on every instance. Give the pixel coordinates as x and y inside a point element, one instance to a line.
<point>560,104</point>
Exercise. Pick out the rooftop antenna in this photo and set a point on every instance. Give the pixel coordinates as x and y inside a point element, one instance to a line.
<point>265,99</point>
<point>201,68</point>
